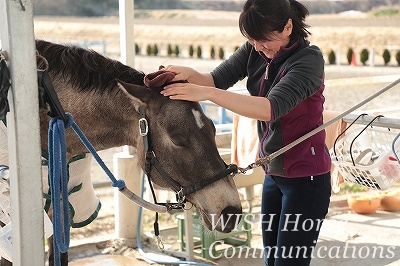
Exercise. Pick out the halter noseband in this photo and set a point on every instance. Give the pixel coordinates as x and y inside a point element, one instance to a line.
<point>151,160</point>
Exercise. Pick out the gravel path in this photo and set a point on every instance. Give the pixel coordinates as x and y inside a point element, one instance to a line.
<point>347,86</point>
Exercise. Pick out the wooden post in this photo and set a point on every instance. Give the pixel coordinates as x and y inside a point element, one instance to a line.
<point>17,36</point>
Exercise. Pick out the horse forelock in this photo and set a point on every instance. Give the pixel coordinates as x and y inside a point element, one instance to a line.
<point>85,69</point>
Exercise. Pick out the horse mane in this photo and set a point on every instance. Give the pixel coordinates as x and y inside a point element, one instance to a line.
<point>85,69</point>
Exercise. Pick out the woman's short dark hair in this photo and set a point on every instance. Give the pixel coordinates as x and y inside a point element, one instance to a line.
<point>261,17</point>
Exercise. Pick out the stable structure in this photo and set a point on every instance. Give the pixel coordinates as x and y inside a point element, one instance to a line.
<point>17,40</point>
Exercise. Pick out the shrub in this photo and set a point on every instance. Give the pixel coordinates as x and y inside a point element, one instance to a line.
<point>221,53</point>
<point>386,56</point>
<point>155,50</point>
<point>191,51</point>
<point>149,50</point>
<point>398,57</point>
<point>349,55</point>
<point>212,52</point>
<point>364,55</point>
<point>137,48</point>
<point>177,50</point>
<point>169,50</point>
<point>332,57</point>
<point>199,52</point>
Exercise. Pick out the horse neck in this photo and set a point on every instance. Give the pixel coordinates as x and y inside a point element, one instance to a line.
<point>106,120</point>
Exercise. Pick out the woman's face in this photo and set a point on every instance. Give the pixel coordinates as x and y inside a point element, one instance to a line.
<point>276,40</point>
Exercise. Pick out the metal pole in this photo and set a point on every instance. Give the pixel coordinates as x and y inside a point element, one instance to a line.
<point>17,35</point>
<point>127,44</point>
<point>372,57</point>
<point>126,212</point>
<point>126,164</point>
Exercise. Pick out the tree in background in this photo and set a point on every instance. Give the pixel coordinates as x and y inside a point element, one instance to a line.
<point>169,50</point>
<point>221,53</point>
<point>212,52</point>
<point>332,57</point>
<point>137,49</point>
<point>199,52</point>
<point>364,55</point>
<point>177,52</point>
<point>91,8</point>
<point>349,55</point>
<point>386,56</point>
<point>398,57</point>
<point>191,51</point>
<point>155,50</point>
<point>149,50</point>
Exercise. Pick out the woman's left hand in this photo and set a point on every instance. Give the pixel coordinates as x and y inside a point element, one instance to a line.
<point>187,91</point>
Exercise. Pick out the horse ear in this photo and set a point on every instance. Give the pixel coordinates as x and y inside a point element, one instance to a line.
<point>138,94</point>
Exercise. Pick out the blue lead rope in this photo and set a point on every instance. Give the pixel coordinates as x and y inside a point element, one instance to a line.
<point>59,179</point>
<point>120,184</point>
<point>59,187</point>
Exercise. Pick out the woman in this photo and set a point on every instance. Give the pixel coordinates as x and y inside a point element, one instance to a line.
<point>285,79</point>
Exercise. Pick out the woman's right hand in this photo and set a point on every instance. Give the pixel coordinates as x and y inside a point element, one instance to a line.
<point>182,72</point>
<point>191,75</point>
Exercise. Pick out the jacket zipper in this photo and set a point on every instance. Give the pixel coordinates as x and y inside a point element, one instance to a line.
<point>266,71</point>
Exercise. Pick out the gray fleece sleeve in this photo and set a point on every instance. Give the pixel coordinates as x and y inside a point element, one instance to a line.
<point>233,69</point>
<point>303,76</point>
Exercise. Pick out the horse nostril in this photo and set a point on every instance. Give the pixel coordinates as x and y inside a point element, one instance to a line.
<point>231,216</point>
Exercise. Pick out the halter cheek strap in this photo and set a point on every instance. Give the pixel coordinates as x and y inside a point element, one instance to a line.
<point>151,160</point>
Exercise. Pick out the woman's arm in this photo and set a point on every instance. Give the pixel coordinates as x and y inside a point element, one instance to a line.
<point>245,105</point>
<point>224,75</point>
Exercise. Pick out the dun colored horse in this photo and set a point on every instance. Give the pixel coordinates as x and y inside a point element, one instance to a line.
<point>107,100</point>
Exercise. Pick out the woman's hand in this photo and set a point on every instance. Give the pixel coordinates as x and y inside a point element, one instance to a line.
<point>182,73</point>
<point>191,75</point>
<point>187,91</point>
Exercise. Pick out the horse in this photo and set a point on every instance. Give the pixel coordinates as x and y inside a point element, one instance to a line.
<point>107,99</point>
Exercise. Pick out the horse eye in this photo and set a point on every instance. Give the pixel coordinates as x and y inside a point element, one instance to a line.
<point>180,141</point>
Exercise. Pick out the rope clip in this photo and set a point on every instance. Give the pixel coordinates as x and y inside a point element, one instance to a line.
<point>180,197</point>
<point>159,242</point>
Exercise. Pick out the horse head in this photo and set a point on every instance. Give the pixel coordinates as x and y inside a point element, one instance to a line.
<point>182,140</point>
